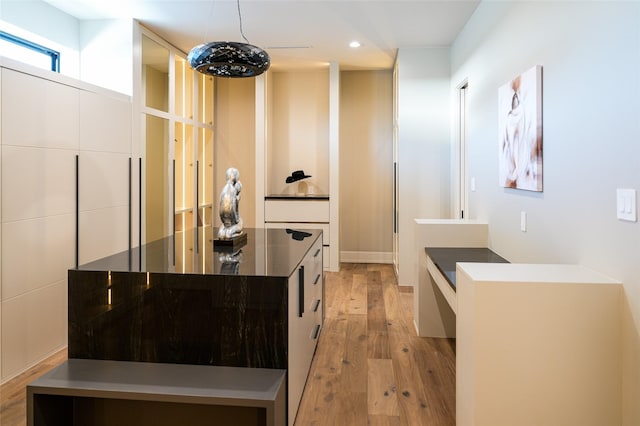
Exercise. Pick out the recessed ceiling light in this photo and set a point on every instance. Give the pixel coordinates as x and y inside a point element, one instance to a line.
<point>354,44</point>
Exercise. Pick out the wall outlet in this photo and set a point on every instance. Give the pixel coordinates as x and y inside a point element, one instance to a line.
<point>523,221</point>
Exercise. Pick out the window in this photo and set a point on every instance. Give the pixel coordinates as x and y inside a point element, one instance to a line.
<point>31,53</point>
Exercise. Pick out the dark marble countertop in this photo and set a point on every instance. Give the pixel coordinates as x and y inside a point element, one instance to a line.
<point>445,259</point>
<point>268,252</point>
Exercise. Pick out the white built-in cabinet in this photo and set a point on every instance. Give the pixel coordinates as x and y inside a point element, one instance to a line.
<point>305,322</point>
<point>176,134</point>
<point>106,175</point>
<point>301,133</point>
<point>295,121</point>
<point>65,152</point>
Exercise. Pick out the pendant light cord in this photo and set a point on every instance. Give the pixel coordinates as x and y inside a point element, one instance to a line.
<point>240,18</point>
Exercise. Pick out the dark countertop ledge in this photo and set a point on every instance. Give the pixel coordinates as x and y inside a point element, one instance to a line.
<point>446,258</point>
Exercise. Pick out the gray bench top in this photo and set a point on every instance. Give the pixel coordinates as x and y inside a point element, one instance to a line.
<point>156,381</point>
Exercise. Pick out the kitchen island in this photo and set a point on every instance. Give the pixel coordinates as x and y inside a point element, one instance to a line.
<point>260,306</point>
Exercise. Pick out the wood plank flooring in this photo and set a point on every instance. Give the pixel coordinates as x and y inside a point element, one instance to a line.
<point>13,394</point>
<point>370,368</point>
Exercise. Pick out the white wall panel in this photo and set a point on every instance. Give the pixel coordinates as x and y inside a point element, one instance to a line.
<point>423,147</point>
<point>38,112</point>
<point>366,169</point>
<point>299,130</point>
<point>105,123</point>
<point>104,180</point>
<point>41,127</point>
<point>103,232</point>
<point>591,98</point>
<point>34,325</point>
<point>36,253</point>
<point>37,182</point>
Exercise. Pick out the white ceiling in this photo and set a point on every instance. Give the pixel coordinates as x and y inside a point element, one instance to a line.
<point>295,32</point>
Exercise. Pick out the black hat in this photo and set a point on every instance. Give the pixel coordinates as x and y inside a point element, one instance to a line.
<point>298,235</point>
<point>296,176</point>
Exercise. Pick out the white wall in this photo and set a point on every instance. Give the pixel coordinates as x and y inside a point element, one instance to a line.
<point>42,23</point>
<point>366,170</point>
<point>590,55</point>
<point>235,144</point>
<point>98,52</point>
<point>299,130</point>
<point>423,146</point>
<point>106,54</point>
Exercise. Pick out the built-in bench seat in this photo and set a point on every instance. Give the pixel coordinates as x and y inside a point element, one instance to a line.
<point>83,391</point>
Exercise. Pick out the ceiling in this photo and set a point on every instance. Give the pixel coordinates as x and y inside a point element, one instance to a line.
<point>295,33</point>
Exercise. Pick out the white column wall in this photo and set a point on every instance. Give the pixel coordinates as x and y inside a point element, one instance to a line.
<point>423,147</point>
<point>590,58</point>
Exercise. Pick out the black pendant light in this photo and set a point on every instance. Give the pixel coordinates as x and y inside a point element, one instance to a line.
<point>228,58</point>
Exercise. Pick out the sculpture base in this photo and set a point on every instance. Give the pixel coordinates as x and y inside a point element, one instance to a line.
<point>231,244</point>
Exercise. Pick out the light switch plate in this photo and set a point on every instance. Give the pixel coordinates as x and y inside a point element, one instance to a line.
<point>523,221</point>
<point>626,205</point>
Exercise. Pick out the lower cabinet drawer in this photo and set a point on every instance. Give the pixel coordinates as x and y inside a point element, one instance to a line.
<point>296,211</point>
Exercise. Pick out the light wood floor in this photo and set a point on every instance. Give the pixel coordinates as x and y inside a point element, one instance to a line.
<point>370,368</point>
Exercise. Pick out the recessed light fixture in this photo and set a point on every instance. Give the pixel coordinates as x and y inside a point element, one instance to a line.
<point>354,44</point>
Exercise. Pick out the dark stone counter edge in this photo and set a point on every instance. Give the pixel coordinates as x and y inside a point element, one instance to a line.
<point>446,259</point>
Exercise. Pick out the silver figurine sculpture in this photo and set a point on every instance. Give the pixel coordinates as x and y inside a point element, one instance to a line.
<point>229,206</point>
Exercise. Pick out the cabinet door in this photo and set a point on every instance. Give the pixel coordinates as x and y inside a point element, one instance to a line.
<point>38,112</point>
<point>39,142</point>
<point>105,147</point>
<point>305,321</point>
<point>104,204</point>
<point>298,343</point>
<point>105,123</point>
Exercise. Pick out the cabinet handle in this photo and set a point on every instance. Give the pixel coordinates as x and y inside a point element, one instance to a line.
<point>173,211</point>
<point>77,254</point>
<point>316,280</point>
<point>301,291</point>
<point>316,332</point>
<point>197,205</point>
<point>140,210</point>
<point>317,252</point>
<point>130,211</point>
<point>315,308</point>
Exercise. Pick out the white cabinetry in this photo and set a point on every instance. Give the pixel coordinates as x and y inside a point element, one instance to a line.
<point>176,135</point>
<point>301,133</point>
<point>48,121</point>
<point>104,161</point>
<point>305,322</point>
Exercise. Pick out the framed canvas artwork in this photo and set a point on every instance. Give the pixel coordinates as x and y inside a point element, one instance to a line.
<point>520,131</point>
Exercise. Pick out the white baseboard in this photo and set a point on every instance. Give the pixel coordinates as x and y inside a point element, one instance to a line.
<point>366,257</point>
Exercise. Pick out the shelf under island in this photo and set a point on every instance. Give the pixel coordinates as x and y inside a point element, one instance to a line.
<point>258,307</point>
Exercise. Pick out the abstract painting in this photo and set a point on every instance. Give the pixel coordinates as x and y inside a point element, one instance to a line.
<point>520,131</point>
